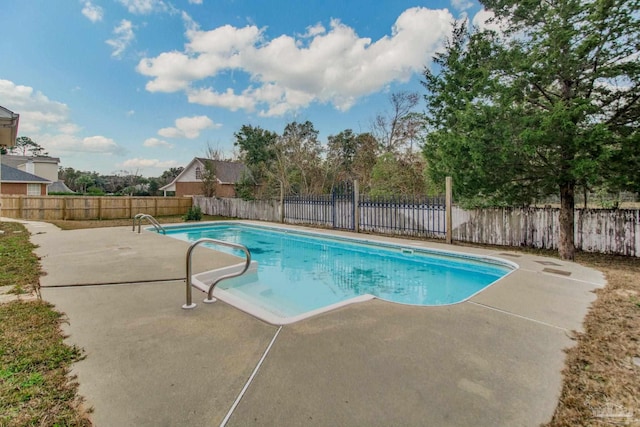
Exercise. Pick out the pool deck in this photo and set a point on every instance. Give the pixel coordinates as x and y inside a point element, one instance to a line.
<point>494,360</point>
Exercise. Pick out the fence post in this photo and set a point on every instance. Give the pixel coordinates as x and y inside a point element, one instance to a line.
<point>448,215</point>
<point>282,202</point>
<point>356,205</point>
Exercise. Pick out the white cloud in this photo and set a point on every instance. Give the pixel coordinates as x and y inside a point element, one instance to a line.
<point>73,144</point>
<point>147,163</point>
<point>92,12</point>
<point>188,127</point>
<point>143,7</point>
<point>68,128</point>
<point>123,37</point>
<point>47,122</point>
<point>155,142</point>
<point>130,113</point>
<point>227,99</point>
<point>461,5</point>
<point>333,66</point>
<point>314,30</point>
<point>485,20</point>
<point>195,1</point>
<point>98,144</point>
<point>37,112</point>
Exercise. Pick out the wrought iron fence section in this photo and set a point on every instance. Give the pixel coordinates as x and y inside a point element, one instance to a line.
<point>400,215</point>
<point>403,215</point>
<point>309,209</point>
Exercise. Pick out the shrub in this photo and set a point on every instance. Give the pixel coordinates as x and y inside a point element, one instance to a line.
<point>193,214</point>
<point>95,191</point>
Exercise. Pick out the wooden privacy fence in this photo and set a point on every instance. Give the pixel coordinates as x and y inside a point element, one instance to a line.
<point>81,207</point>
<point>262,210</point>
<point>610,231</point>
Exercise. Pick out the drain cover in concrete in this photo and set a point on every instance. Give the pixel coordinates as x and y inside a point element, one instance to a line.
<point>549,263</point>
<point>555,271</point>
<point>511,255</point>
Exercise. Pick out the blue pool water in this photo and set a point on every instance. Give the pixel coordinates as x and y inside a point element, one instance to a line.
<point>300,272</point>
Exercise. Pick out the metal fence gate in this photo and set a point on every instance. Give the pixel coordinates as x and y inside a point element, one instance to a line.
<point>344,206</point>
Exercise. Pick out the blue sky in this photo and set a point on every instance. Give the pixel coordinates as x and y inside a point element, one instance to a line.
<point>145,85</point>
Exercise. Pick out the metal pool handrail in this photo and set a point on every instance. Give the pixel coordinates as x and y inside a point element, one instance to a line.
<point>139,217</point>
<point>190,303</point>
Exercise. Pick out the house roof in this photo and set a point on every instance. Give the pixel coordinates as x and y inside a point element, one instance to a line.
<point>59,187</point>
<point>9,174</point>
<point>227,172</point>
<point>15,160</point>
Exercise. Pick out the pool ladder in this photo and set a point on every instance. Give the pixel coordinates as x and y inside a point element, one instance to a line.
<point>139,217</point>
<point>190,304</point>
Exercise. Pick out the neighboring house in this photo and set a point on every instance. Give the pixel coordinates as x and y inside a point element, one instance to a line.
<point>15,181</point>
<point>8,127</point>
<point>43,166</point>
<point>189,182</point>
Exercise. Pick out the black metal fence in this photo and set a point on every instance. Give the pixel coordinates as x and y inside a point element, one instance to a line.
<point>403,215</point>
<point>406,215</point>
<point>316,210</point>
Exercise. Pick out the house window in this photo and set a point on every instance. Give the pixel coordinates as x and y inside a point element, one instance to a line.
<point>198,173</point>
<point>33,189</point>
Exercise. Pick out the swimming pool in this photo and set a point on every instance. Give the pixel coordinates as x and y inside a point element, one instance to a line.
<point>302,273</point>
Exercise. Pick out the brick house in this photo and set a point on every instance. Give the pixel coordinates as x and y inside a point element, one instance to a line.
<point>189,182</point>
<point>15,181</point>
<point>43,166</point>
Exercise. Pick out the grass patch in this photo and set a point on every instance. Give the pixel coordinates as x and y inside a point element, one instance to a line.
<point>82,224</point>
<point>19,267</point>
<point>34,361</point>
<point>34,383</point>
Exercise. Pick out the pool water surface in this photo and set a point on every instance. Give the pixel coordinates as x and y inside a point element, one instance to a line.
<point>300,272</point>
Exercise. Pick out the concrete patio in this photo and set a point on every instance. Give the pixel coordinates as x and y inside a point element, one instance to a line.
<point>494,360</point>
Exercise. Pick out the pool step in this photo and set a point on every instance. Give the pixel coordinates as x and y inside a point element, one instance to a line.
<point>203,280</point>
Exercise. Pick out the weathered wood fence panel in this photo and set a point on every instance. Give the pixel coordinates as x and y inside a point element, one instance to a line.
<point>262,210</point>
<point>49,208</point>
<point>610,231</point>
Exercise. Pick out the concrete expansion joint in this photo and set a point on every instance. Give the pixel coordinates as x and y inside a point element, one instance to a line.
<point>250,380</point>
<point>566,331</point>
<point>129,282</point>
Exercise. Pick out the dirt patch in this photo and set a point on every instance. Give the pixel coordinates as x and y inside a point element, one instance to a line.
<point>601,381</point>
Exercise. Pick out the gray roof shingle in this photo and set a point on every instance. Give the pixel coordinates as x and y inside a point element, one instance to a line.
<point>14,160</point>
<point>9,174</point>
<point>227,172</point>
